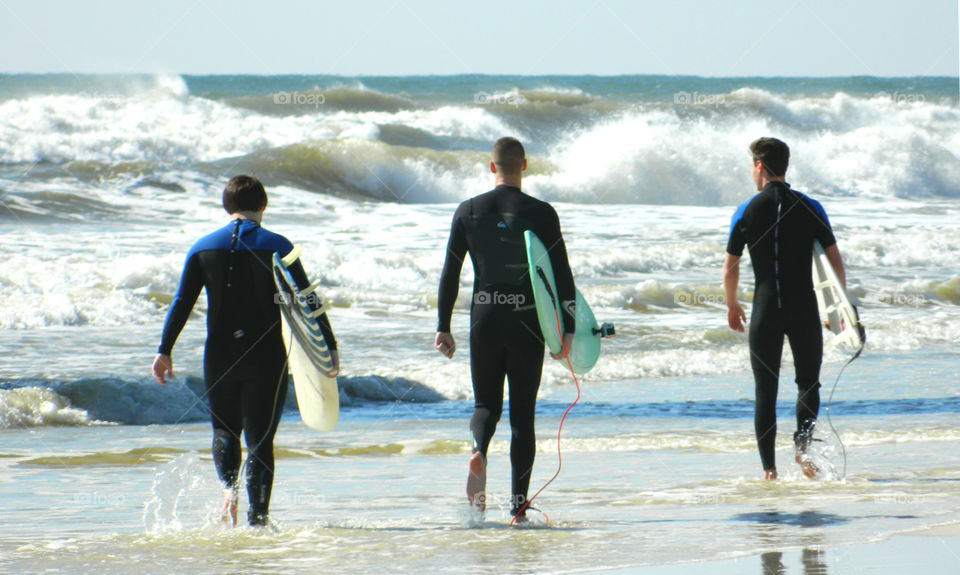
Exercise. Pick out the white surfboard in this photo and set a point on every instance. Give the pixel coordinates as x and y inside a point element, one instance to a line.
<point>308,357</point>
<point>838,315</point>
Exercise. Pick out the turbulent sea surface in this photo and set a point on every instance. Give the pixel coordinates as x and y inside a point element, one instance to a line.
<point>106,181</point>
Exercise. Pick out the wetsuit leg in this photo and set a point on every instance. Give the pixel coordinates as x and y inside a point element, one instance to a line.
<point>242,398</point>
<point>525,350</point>
<point>262,401</point>
<point>226,416</point>
<point>806,342</point>
<point>766,347</point>
<point>488,369</point>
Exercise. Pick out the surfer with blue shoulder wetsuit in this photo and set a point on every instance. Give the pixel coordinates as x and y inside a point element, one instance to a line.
<point>778,226</point>
<point>505,336</point>
<point>244,360</point>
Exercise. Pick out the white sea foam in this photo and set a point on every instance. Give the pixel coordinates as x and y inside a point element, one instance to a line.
<point>170,126</point>
<point>660,156</point>
<point>33,406</point>
<point>645,154</point>
<point>653,269</point>
<point>380,265</point>
<point>83,289</point>
<point>184,496</point>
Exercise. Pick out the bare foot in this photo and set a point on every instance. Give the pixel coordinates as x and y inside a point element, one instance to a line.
<point>769,474</point>
<point>228,513</point>
<point>803,439</point>
<point>806,466</point>
<point>477,483</point>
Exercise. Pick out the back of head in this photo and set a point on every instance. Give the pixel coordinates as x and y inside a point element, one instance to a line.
<point>508,155</point>
<point>244,194</point>
<point>773,154</point>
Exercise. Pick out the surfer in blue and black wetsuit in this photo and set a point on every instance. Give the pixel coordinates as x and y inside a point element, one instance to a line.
<point>779,225</point>
<point>244,360</point>
<point>505,337</point>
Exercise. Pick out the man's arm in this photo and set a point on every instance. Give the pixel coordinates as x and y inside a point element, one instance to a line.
<point>450,285</point>
<point>736,240</point>
<point>562,274</point>
<point>300,277</point>
<point>191,282</point>
<point>824,235</point>
<point>833,256</point>
<point>731,278</point>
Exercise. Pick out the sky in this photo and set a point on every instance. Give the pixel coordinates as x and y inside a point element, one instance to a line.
<point>414,37</point>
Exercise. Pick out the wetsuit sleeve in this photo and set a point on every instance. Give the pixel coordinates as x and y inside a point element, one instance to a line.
<point>823,233</point>
<point>736,240</point>
<point>450,277</point>
<point>300,276</point>
<point>562,274</point>
<point>191,282</point>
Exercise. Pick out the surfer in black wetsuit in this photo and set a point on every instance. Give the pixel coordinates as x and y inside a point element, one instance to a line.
<point>505,337</point>
<point>778,225</point>
<point>244,360</point>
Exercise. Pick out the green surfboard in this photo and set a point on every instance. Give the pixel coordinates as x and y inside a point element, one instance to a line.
<point>586,340</point>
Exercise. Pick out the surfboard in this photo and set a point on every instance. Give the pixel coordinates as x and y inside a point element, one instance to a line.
<point>586,340</point>
<point>838,315</point>
<point>308,357</point>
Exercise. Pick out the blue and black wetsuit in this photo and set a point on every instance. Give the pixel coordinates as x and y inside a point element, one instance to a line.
<point>778,226</point>
<point>505,338</point>
<point>244,361</point>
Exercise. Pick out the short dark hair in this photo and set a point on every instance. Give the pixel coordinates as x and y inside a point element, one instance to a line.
<point>773,154</point>
<point>508,155</point>
<point>244,194</point>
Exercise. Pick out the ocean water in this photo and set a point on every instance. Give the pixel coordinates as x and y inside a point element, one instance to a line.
<point>105,182</point>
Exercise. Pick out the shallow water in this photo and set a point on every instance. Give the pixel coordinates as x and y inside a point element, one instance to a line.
<point>640,486</point>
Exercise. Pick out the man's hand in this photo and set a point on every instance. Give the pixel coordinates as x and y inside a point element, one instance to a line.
<point>735,316</point>
<point>565,349</point>
<point>731,277</point>
<point>443,342</point>
<point>162,366</point>
<point>336,364</point>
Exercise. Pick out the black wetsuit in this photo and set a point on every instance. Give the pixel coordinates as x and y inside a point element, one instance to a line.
<point>244,361</point>
<point>505,338</point>
<point>778,226</point>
